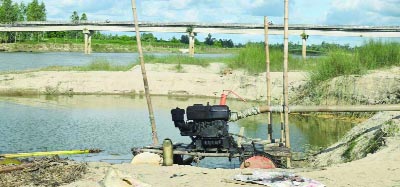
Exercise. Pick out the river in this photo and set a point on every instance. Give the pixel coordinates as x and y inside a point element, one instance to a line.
<point>17,61</point>
<point>115,124</point>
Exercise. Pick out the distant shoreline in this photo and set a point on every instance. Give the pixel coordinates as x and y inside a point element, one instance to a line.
<point>100,48</point>
<point>163,79</point>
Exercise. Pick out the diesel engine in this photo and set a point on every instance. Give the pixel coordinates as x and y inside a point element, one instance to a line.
<point>207,126</point>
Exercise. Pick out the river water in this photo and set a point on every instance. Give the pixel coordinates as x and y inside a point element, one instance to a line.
<point>27,60</point>
<point>115,124</point>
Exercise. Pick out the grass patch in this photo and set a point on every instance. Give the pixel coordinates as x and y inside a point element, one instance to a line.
<point>336,63</point>
<point>19,92</point>
<point>95,65</point>
<point>182,59</point>
<point>252,59</point>
<point>376,54</point>
<point>370,56</point>
<point>347,155</point>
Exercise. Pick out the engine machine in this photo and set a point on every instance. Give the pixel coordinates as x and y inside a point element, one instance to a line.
<point>207,126</point>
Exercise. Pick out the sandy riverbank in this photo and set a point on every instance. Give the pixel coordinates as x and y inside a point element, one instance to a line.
<point>379,169</point>
<point>163,80</point>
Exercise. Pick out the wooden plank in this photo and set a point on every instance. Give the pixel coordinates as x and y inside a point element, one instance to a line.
<point>276,151</point>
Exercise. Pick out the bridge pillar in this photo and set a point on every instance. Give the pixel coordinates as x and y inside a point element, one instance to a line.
<point>304,37</point>
<point>191,44</point>
<point>88,41</point>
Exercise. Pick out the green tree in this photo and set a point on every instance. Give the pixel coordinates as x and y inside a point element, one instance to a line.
<point>8,11</point>
<point>218,43</point>
<point>148,37</point>
<point>22,12</point>
<point>84,17</point>
<point>185,39</point>
<point>8,14</point>
<point>36,12</point>
<point>174,40</point>
<point>75,17</point>
<point>209,40</point>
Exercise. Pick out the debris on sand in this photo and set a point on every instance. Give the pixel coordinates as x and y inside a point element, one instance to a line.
<point>281,179</point>
<point>52,171</point>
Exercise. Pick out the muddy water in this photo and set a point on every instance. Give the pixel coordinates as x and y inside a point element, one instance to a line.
<point>118,123</point>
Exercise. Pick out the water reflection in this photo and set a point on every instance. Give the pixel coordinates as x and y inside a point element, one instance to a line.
<point>304,130</point>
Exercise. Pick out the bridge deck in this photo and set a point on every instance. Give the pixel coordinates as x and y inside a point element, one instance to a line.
<point>227,28</point>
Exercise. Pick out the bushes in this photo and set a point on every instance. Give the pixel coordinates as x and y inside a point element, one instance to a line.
<point>95,65</point>
<point>336,63</point>
<point>372,55</point>
<point>252,59</point>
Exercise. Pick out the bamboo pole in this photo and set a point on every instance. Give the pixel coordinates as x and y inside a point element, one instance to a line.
<point>268,76</point>
<point>240,137</point>
<point>285,78</point>
<point>50,153</point>
<point>145,81</point>
<point>301,109</point>
<point>334,108</point>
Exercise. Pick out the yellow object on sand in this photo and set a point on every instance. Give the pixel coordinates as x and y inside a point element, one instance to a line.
<point>50,153</point>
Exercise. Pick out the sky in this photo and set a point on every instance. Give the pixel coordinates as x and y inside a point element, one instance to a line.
<point>323,12</point>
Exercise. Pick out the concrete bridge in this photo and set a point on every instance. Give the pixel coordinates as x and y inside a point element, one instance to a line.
<point>181,27</point>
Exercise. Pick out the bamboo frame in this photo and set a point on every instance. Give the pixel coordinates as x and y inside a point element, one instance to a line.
<point>268,76</point>
<point>144,75</point>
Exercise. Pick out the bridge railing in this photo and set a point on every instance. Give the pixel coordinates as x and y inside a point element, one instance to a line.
<point>205,25</point>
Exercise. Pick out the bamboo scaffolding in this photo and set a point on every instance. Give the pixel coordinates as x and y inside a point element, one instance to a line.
<point>145,80</point>
<point>268,76</point>
<point>285,78</point>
